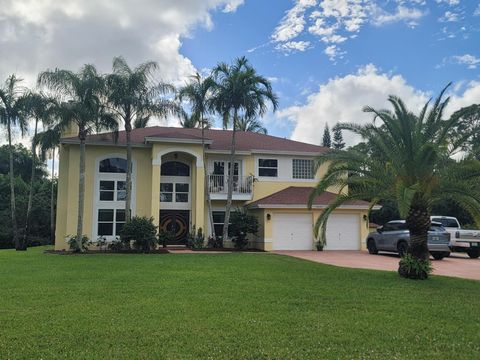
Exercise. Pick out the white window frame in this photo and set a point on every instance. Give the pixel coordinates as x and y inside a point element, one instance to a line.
<point>108,204</point>
<point>267,167</point>
<point>174,180</point>
<point>302,171</point>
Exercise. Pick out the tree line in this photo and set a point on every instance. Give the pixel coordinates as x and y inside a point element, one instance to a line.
<point>127,97</point>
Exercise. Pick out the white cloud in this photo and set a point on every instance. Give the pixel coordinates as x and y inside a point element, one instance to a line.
<point>46,34</point>
<point>448,2</point>
<point>292,46</point>
<point>449,16</point>
<point>336,21</point>
<point>333,52</point>
<point>293,22</point>
<point>477,11</point>
<point>470,60</point>
<point>408,15</point>
<point>342,99</point>
<point>232,6</point>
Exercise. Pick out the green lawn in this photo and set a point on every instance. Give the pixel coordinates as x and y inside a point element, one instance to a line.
<point>253,306</point>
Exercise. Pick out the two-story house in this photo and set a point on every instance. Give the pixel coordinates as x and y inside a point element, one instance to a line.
<point>273,180</point>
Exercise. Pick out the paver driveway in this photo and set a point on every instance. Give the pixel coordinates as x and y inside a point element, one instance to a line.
<point>457,265</point>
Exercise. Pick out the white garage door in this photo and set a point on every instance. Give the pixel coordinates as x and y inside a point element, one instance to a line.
<point>292,231</point>
<point>343,232</point>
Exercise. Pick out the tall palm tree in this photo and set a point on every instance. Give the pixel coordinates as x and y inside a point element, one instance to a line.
<point>239,92</point>
<point>12,103</point>
<point>197,92</point>
<point>134,97</point>
<point>412,167</point>
<point>49,141</point>
<point>83,107</point>
<point>40,108</point>
<point>251,125</point>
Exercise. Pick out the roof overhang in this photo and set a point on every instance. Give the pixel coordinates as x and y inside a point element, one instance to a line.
<point>100,143</point>
<point>155,139</point>
<point>303,206</point>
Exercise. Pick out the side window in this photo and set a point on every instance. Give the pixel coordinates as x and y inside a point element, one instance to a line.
<point>302,169</point>
<point>268,167</point>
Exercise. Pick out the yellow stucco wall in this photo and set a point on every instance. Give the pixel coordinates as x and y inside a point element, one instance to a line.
<point>146,176</point>
<point>264,239</point>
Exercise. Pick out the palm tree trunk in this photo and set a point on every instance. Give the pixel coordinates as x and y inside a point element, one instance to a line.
<point>52,201</point>
<point>418,223</point>
<point>231,173</point>
<point>32,180</point>
<point>128,184</point>
<point>16,239</point>
<point>81,194</point>
<point>207,190</point>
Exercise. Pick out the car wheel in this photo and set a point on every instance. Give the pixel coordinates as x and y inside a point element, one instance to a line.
<point>372,247</point>
<point>473,253</point>
<point>402,248</point>
<point>438,256</point>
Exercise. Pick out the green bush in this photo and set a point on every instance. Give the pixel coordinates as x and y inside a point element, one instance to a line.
<point>142,231</point>
<point>196,239</point>
<point>73,244</point>
<point>165,237</point>
<point>242,224</point>
<point>413,268</point>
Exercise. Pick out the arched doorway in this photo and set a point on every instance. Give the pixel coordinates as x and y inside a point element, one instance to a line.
<point>176,198</point>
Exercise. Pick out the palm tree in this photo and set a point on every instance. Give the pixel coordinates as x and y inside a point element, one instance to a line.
<point>238,91</point>
<point>198,92</point>
<point>40,108</point>
<point>83,92</point>
<point>412,167</point>
<point>48,141</point>
<point>12,101</point>
<point>134,98</point>
<point>251,125</point>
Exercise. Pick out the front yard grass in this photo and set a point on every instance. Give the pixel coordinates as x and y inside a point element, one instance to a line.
<point>233,306</point>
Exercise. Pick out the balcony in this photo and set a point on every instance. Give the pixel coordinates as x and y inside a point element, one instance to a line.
<point>242,187</point>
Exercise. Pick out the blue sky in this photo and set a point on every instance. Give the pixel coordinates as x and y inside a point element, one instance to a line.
<point>414,39</point>
<point>326,58</point>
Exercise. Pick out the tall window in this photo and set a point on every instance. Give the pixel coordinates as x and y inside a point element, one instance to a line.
<point>110,197</point>
<point>175,168</point>
<point>302,169</point>
<point>268,167</point>
<point>218,221</point>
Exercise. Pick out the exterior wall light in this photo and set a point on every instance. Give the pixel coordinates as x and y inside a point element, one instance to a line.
<point>269,216</point>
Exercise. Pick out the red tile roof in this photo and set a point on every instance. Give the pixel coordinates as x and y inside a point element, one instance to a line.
<point>220,139</point>
<point>297,195</point>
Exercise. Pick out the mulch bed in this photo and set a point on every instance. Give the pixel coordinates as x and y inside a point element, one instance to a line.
<point>95,252</point>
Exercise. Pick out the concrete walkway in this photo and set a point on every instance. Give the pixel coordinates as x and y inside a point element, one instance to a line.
<point>457,265</point>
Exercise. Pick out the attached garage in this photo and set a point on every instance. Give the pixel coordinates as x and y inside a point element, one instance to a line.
<point>343,232</point>
<point>287,223</point>
<point>292,231</point>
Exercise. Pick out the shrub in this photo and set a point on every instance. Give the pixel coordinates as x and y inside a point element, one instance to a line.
<point>142,231</point>
<point>413,268</point>
<point>101,243</point>
<point>165,237</point>
<point>73,244</point>
<point>196,239</point>
<point>117,245</point>
<point>215,243</point>
<point>242,224</point>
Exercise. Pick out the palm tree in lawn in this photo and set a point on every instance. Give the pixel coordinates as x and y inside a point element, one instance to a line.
<point>239,92</point>
<point>48,141</point>
<point>251,125</point>
<point>39,108</point>
<point>197,92</point>
<point>412,167</point>
<point>83,107</point>
<point>134,97</point>
<point>12,103</point>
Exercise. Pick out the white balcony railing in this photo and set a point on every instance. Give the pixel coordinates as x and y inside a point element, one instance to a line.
<point>218,184</point>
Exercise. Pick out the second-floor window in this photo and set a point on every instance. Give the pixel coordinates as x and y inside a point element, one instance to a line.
<point>268,167</point>
<point>302,169</point>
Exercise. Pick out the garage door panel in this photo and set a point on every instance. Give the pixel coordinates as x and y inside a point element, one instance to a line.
<point>292,231</point>
<point>343,232</point>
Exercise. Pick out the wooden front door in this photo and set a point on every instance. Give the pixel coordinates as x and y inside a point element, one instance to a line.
<point>176,222</point>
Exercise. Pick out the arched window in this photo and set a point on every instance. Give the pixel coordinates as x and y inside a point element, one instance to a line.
<point>113,165</point>
<point>175,168</point>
